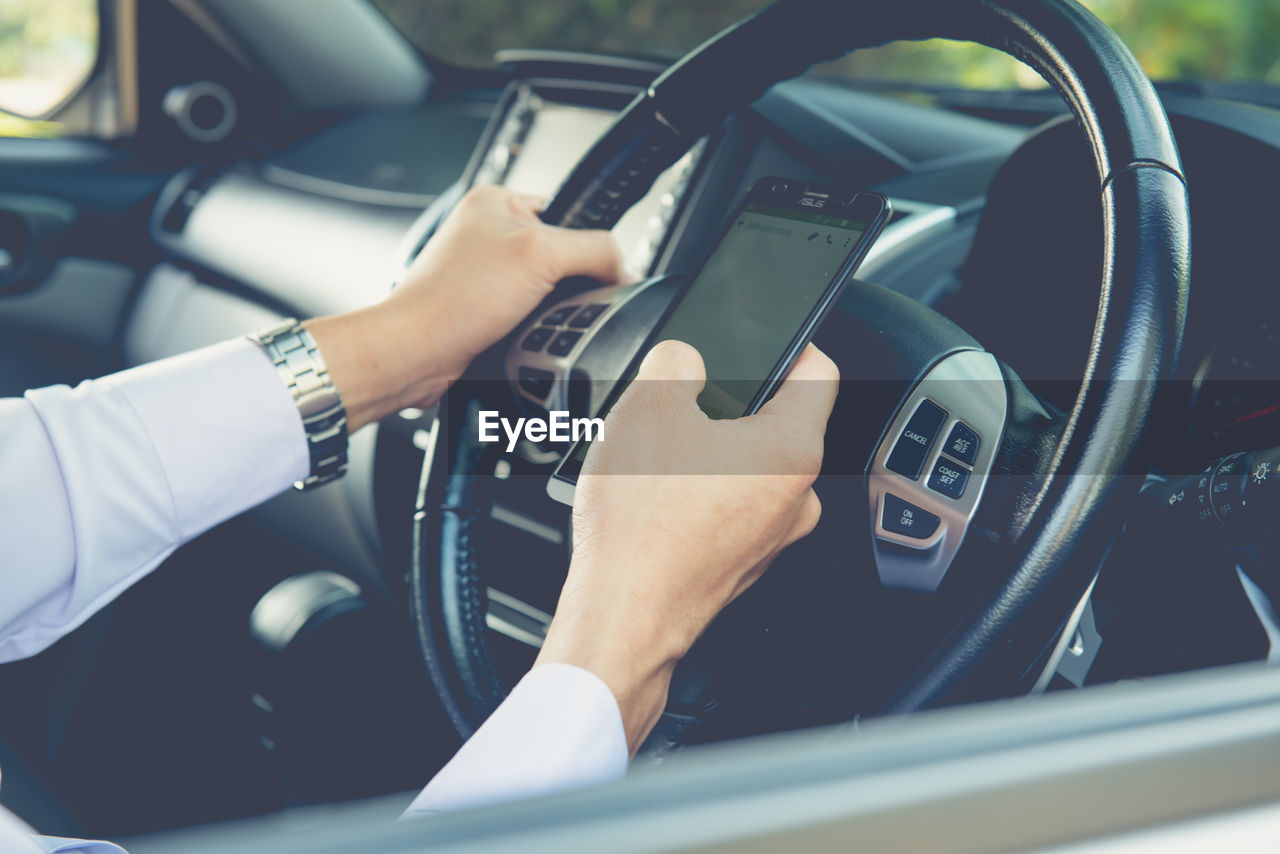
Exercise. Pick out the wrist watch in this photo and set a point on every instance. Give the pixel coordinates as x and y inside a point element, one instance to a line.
<point>324,419</point>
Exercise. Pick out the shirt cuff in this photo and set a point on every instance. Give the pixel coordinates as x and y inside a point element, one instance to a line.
<point>559,729</point>
<point>129,467</point>
<point>224,427</point>
<point>58,845</point>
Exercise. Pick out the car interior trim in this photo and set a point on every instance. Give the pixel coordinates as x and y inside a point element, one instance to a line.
<point>340,190</point>
<point>1067,643</point>
<point>507,516</point>
<point>1265,610</point>
<point>914,224</point>
<point>350,55</point>
<point>516,619</point>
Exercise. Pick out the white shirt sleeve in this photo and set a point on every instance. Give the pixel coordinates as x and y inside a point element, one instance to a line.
<point>102,482</point>
<point>17,838</point>
<point>59,845</point>
<point>559,729</point>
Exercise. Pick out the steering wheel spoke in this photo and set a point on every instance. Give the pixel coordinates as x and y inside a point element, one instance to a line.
<point>930,470</point>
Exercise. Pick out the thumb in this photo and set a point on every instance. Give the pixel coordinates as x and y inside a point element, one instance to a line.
<point>584,252</point>
<point>529,202</point>
<point>806,397</point>
<point>675,365</point>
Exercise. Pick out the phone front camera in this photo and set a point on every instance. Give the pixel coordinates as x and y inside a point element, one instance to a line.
<point>782,187</point>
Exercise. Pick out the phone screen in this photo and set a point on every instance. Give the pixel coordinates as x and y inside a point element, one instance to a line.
<point>755,291</point>
<point>754,300</point>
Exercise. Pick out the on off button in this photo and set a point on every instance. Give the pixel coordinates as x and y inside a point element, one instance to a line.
<point>905,518</point>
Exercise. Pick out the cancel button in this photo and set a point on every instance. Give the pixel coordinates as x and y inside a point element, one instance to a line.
<point>917,438</point>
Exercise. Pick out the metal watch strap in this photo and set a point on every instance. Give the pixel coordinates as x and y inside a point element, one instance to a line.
<point>324,419</point>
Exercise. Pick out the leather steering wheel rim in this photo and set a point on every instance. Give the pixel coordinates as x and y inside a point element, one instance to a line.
<point>1136,338</point>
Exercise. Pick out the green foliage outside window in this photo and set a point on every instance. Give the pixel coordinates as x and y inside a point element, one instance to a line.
<point>47,49</point>
<point>1209,39</point>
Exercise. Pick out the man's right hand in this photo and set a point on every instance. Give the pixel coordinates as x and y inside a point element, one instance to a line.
<point>676,514</point>
<point>488,266</point>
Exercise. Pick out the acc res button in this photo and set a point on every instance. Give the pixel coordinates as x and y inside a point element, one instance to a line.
<point>903,517</point>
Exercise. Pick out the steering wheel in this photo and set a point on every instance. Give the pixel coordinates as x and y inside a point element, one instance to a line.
<point>1045,523</point>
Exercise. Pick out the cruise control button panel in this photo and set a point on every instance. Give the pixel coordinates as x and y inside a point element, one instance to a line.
<point>916,439</point>
<point>903,517</point>
<point>928,475</point>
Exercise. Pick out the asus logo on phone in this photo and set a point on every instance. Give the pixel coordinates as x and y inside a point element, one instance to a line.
<point>811,202</point>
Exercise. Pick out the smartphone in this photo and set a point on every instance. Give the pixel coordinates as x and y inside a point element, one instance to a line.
<point>754,304</point>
